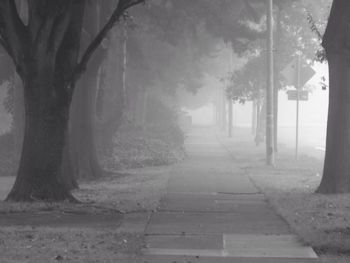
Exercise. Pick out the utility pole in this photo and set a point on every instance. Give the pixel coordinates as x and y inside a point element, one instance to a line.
<point>124,47</point>
<point>277,57</point>
<point>270,156</point>
<point>297,86</point>
<point>229,100</point>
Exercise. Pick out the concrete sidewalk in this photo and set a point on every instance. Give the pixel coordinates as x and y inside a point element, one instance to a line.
<point>212,212</point>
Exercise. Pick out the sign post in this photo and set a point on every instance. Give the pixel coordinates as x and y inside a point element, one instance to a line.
<point>297,75</point>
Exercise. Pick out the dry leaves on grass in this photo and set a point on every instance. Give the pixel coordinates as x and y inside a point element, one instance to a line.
<point>42,245</point>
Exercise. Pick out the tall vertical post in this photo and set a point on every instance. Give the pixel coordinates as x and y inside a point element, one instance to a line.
<point>297,86</point>
<point>277,57</point>
<point>230,118</point>
<point>124,46</point>
<point>254,116</point>
<point>224,113</point>
<point>229,100</point>
<point>270,156</point>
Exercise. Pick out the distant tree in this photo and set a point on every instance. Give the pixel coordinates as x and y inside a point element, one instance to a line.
<point>81,158</point>
<point>336,42</point>
<point>45,51</point>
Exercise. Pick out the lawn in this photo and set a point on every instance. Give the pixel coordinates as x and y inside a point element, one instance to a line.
<point>107,227</point>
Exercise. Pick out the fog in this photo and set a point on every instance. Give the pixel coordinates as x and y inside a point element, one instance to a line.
<point>312,113</point>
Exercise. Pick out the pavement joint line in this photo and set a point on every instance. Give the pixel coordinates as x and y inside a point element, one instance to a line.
<point>217,253</point>
<point>148,222</point>
<point>195,211</point>
<point>246,193</point>
<point>185,252</point>
<point>194,193</point>
<point>216,193</point>
<point>179,235</point>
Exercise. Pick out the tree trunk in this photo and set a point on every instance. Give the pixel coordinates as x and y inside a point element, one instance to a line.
<point>69,174</point>
<point>336,172</point>
<point>18,117</point>
<point>224,113</point>
<point>276,81</point>
<point>80,159</point>
<point>336,41</point>
<point>254,117</point>
<point>113,106</point>
<point>230,117</point>
<point>260,135</point>
<point>46,119</point>
<point>82,141</point>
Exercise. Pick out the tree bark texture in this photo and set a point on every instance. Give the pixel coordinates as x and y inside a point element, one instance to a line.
<point>46,119</point>
<point>44,60</point>
<point>18,117</point>
<point>45,51</point>
<point>336,41</point>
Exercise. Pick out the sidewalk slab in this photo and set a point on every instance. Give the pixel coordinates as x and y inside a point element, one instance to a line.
<point>164,223</point>
<point>134,223</point>
<point>241,203</point>
<point>181,242</point>
<point>236,246</point>
<point>211,182</point>
<point>198,259</point>
<point>270,246</point>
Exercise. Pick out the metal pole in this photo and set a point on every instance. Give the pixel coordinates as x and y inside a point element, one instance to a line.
<point>270,156</point>
<point>297,108</point>
<point>124,45</point>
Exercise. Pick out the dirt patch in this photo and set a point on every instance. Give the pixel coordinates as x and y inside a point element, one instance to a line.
<point>62,219</point>
<point>42,245</point>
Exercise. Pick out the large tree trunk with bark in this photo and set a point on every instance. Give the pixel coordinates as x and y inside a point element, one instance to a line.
<point>45,51</point>
<point>336,173</point>
<point>46,119</point>
<point>18,117</point>
<point>45,57</point>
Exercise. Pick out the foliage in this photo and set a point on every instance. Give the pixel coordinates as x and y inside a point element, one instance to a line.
<point>152,146</point>
<point>248,83</point>
<point>293,34</point>
<point>158,142</point>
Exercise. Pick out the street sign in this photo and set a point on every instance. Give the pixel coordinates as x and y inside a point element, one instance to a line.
<point>290,73</point>
<point>293,95</point>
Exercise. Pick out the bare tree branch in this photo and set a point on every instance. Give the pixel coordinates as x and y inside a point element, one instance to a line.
<point>122,6</point>
<point>59,28</point>
<point>13,31</point>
